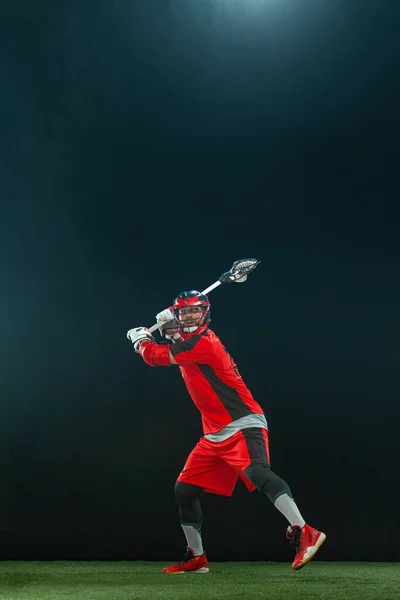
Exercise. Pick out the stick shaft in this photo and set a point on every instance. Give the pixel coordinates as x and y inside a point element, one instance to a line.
<point>211,287</point>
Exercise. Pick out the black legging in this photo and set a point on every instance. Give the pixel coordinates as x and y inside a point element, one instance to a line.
<point>265,480</point>
<point>187,498</point>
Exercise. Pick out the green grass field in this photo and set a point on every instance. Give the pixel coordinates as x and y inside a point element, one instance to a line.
<point>226,581</point>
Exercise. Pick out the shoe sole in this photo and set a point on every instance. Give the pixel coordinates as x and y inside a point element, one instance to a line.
<point>314,549</point>
<point>202,570</point>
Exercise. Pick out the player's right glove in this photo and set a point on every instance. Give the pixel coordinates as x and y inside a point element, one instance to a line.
<point>137,335</point>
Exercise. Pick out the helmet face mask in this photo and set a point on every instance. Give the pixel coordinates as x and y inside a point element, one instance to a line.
<point>194,307</point>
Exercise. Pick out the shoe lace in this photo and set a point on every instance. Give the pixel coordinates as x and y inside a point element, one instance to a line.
<point>188,556</point>
<point>293,534</point>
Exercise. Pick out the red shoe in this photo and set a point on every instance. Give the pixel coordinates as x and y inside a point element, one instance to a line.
<point>306,541</point>
<point>190,564</point>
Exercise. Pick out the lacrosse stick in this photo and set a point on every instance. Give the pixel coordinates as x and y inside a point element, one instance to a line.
<point>237,274</point>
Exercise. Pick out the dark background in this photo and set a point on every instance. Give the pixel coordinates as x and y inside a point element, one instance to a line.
<point>145,146</point>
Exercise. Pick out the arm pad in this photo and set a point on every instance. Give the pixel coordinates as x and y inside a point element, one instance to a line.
<point>155,355</point>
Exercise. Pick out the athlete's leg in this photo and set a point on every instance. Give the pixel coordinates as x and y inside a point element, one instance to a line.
<point>306,539</point>
<point>196,475</point>
<point>195,560</point>
<point>258,471</point>
<point>276,489</point>
<point>204,471</point>
<point>187,499</point>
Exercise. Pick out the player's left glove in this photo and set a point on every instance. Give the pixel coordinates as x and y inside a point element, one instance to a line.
<point>166,317</point>
<point>137,335</point>
<point>168,325</point>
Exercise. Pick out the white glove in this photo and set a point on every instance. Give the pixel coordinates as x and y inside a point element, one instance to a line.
<point>137,335</point>
<point>164,316</point>
<point>165,320</point>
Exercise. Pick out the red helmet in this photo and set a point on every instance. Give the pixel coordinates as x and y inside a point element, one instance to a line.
<point>192,298</point>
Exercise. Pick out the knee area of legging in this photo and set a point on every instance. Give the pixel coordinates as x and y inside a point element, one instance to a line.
<point>268,482</point>
<point>258,474</point>
<point>185,492</point>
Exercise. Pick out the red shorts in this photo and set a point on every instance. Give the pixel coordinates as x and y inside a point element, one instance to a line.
<point>216,466</point>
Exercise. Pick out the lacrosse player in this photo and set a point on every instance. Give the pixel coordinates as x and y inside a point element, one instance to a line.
<point>235,441</point>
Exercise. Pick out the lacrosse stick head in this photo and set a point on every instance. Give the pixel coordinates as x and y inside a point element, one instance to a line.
<point>239,270</point>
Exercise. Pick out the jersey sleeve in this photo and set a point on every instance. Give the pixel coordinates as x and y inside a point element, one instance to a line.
<point>196,349</point>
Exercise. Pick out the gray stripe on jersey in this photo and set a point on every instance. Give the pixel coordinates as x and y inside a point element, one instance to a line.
<point>242,423</point>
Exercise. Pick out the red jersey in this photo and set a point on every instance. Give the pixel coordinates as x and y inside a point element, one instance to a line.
<point>213,381</point>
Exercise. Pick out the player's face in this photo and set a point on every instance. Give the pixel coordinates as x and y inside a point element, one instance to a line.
<point>190,316</point>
